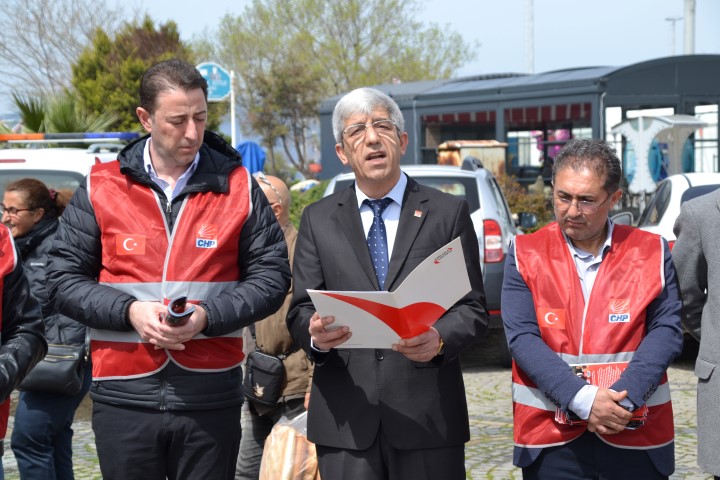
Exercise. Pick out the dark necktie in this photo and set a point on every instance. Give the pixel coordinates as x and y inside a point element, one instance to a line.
<point>377,239</point>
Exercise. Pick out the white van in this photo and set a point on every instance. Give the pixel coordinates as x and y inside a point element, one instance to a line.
<point>58,168</point>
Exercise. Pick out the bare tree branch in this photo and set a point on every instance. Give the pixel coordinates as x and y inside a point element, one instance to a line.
<point>41,39</point>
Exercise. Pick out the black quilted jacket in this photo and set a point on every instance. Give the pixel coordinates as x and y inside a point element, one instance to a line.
<point>75,263</point>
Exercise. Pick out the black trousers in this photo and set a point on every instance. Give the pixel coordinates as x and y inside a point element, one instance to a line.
<point>155,445</point>
<point>381,461</point>
<point>589,458</point>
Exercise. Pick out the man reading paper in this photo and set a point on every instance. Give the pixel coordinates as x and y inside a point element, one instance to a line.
<point>396,413</point>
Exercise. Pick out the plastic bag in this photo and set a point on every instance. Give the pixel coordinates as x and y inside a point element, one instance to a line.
<point>288,454</point>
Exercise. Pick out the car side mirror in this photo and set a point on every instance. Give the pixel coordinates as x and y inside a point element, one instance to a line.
<point>623,218</point>
<point>526,220</point>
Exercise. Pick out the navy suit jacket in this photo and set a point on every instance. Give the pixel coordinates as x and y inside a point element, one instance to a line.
<point>355,391</point>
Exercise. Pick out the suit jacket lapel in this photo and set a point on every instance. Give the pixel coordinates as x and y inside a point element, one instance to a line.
<point>348,216</point>
<point>412,216</point>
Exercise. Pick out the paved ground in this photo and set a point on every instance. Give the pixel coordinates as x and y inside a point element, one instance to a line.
<point>489,452</point>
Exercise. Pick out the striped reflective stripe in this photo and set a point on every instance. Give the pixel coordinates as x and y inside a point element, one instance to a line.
<point>133,337</point>
<point>533,397</point>
<point>662,263</point>
<point>157,291</point>
<point>585,358</point>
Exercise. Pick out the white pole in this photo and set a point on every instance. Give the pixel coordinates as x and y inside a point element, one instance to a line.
<point>232,108</point>
<point>689,33</point>
<point>672,21</point>
<point>530,32</point>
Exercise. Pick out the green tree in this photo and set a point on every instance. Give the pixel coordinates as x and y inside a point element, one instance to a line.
<point>521,200</point>
<point>300,200</point>
<point>59,113</point>
<point>288,55</point>
<point>107,74</point>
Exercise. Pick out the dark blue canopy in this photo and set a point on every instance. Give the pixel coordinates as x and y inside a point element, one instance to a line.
<point>253,156</point>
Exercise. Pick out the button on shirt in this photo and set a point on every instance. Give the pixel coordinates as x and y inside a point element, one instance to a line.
<point>587,266</point>
<point>181,182</point>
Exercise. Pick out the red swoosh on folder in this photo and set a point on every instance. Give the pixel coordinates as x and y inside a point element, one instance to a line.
<point>407,321</point>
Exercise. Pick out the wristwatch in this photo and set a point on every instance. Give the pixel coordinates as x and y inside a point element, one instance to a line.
<point>441,347</point>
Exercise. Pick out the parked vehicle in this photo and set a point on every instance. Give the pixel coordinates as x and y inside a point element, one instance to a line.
<point>489,211</point>
<point>58,168</point>
<point>664,205</point>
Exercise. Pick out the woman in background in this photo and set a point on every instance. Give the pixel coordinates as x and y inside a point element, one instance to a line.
<point>42,434</point>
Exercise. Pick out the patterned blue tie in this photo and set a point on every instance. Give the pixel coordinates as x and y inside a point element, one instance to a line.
<point>377,239</point>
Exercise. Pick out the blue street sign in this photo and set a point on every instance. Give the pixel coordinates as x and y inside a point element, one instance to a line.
<point>218,80</point>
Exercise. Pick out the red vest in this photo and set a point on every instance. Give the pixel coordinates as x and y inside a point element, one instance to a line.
<point>608,329</point>
<point>8,261</point>
<point>142,257</point>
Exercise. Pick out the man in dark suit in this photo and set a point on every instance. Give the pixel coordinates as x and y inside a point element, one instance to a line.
<point>395,413</point>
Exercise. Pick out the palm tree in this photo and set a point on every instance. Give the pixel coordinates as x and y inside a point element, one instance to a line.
<point>60,113</point>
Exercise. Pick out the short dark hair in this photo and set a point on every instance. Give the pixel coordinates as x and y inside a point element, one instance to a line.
<point>169,75</point>
<point>594,154</point>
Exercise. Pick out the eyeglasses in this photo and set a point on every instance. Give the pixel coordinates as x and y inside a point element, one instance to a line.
<point>583,206</point>
<point>357,131</point>
<point>260,177</point>
<point>12,211</point>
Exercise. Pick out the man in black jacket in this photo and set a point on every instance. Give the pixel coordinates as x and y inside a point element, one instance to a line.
<point>176,217</point>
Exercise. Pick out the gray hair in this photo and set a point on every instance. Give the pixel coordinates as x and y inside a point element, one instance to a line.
<point>365,101</point>
<point>593,154</point>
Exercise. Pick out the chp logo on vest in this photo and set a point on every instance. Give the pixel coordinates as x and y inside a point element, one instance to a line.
<point>129,244</point>
<point>206,236</point>
<point>619,310</point>
<point>551,318</point>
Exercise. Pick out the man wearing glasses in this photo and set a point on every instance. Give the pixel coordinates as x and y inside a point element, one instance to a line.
<point>592,317</point>
<point>395,413</point>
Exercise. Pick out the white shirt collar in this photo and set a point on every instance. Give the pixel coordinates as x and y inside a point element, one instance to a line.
<point>396,193</point>
<point>151,170</point>
<point>181,182</point>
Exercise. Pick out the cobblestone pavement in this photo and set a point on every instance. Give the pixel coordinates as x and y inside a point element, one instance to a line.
<point>489,452</point>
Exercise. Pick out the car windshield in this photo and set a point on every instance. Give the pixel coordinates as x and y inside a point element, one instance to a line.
<point>656,207</point>
<point>51,178</point>
<point>463,187</point>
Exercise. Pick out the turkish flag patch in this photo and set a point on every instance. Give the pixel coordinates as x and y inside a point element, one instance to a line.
<point>551,317</point>
<point>129,244</point>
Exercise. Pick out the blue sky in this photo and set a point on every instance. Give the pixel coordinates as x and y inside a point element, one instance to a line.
<point>567,33</point>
